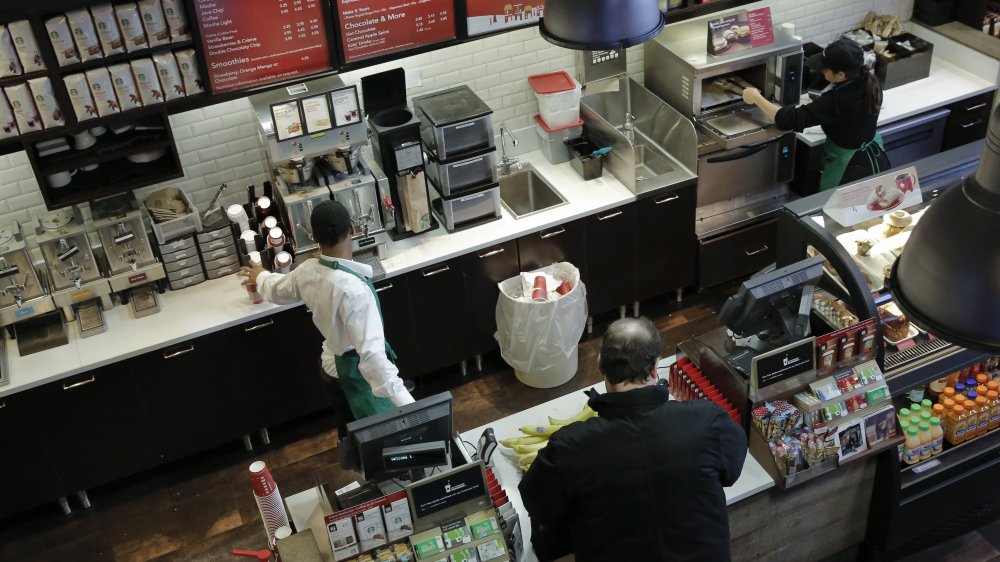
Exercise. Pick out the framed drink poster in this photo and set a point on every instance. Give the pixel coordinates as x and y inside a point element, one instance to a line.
<point>346,110</point>
<point>316,113</point>
<point>287,120</point>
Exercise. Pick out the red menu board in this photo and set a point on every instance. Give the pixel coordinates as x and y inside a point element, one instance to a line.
<point>249,43</point>
<point>485,16</point>
<point>371,28</point>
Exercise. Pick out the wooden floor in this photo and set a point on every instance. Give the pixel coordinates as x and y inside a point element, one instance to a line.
<point>201,508</point>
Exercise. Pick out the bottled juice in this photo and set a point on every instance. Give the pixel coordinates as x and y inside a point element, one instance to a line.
<point>903,414</point>
<point>959,388</point>
<point>994,400</point>
<point>925,416</point>
<point>926,405</point>
<point>982,426</point>
<point>926,445</point>
<point>914,420</point>
<point>915,409</point>
<point>957,421</point>
<point>972,412</point>
<point>981,390</point>
<point>904,425</point>
<point>993,385</point>
<point>911,452</point>
<point>970,382</point>
<point>949,393</point>
<point>937,436</point>
<point>937,410</point>
<point>981,378</point>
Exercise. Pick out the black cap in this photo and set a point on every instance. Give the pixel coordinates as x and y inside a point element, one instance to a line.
<point>330,222</point>
<point>844,55</point>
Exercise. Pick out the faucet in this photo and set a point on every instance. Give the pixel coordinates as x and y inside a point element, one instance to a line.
<point>505,161</point>
<point>629,127</point>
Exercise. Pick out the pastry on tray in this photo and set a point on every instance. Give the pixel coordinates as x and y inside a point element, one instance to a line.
<point>895,324</point>
<point>895,222</point>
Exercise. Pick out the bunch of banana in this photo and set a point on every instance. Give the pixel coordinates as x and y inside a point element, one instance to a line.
<point>536,437</point>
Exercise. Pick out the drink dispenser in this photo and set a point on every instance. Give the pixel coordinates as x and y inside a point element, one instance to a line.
<point>22,294</point>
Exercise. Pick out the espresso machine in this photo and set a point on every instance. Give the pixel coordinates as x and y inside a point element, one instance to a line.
<point>78,286</point>
<point>134,272</point>
<point>23,297</point>
<point>332,163</point>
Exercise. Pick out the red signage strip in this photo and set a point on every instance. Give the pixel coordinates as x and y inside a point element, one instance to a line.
<point>374,28</point>
<point>250,43</point>
<point>485,16</point>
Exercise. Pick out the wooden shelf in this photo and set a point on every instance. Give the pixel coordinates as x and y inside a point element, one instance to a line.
<point>116,176</point>
<point>951,455</point>
<point>122,57</point>
<point>888,444</point>
<point>109,147</point>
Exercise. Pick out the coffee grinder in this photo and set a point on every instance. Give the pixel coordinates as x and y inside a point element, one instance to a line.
<point>78,287</point>
<point>133,270</point>
<point>395,134</point>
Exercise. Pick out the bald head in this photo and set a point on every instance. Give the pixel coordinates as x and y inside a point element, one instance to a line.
<point>630,350</point>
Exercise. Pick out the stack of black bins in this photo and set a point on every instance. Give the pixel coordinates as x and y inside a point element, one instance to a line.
<point>456,129</point>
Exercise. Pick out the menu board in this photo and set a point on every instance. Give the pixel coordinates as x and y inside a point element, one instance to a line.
<point>249,43</point>
<point>372,28</point>
<point>485,16</point>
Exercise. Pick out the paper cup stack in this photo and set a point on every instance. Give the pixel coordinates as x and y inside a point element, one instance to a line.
<point>265,491</point>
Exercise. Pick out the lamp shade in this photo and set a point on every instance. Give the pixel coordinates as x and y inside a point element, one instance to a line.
<point>948,278</point>
<point>589,25</point>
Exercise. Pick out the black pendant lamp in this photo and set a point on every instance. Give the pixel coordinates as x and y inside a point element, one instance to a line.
<point>948,278</point>
<point>591,25</point>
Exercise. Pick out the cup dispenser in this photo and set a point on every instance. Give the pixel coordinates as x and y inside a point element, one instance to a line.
<point>395,135</point>
<point>78,286</point>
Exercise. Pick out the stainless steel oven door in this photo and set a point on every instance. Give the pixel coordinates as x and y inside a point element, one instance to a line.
<point>741,184</point>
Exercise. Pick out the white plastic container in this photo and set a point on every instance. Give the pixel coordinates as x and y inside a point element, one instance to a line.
<point>558,96</point>
<point>553,141</point>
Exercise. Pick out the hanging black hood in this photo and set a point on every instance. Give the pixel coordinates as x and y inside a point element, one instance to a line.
<point>590,25</point>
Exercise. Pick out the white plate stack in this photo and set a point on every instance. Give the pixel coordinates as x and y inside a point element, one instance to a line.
<point>265,491</point>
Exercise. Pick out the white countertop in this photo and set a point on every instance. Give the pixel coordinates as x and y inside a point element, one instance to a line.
<point>753,480</point>
<point>222,303</point>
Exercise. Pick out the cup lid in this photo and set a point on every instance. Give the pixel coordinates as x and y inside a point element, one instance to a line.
<point>551,83</point>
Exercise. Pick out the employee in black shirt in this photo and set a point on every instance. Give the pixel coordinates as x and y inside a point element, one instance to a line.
<point>847,111</point>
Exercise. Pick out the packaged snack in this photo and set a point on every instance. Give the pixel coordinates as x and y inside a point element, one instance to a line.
<point>8,125</point>
<point>188,65</point>
<point>9,63</point>
<point>62,40</point>
<point>146,81</point>
<point>45,102</point>
<point>88,45</point>
<point>176,20</point>
<point>467,555</point>
<point>103,91</point>
<point>170,76</point>
<point>124,85</point>
<point>402,552</point>
<point>26,46</point>
<point>343,542</point>
<point>483,524</point>
<point>80,97</point>
<point>371,529</point>
<point>427,543</point>
<point>455,533</point>
<point>154,22</point>
<point>491,549</point>
<point>384,555</point>
<point>106,23</point>
<point>397,519</point>
<point>130,24</point>
<point>25,113</point>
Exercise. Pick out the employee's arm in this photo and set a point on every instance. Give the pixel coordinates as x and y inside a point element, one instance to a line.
<point>548,505</point>
<point>365,332</point>
<point>754,97</point>
<point>732,448</point>
<point>276,287</point>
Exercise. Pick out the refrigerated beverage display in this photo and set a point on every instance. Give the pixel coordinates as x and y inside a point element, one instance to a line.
<point>982,425</point>
<point>926,445</point>
<point>994,400</point>
<point>911,451</point>
<point>957,422</point>
<point>937,436</point>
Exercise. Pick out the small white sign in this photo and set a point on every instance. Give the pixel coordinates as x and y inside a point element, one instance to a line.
<point>874,197</point>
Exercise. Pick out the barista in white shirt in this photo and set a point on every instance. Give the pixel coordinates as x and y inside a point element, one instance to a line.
<point>346,310</point>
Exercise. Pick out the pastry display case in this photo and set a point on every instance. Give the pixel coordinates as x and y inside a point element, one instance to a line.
<point>910,506</point>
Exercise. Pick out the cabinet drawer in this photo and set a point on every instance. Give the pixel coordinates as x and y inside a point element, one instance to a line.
<point>216,244</point>
<point>976,105</point>
<point>737,253</point>
<point>219,233</point>
<point>967,129</point>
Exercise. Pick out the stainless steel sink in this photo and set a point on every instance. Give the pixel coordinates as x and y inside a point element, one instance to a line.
<point>649,163</point>
<point>523,192</point>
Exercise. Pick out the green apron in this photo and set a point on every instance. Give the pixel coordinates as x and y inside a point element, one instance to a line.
<point>838,158</point>
<point>359,393</point>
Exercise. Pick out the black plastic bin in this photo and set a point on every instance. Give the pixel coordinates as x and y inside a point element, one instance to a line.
<point>583,159</point>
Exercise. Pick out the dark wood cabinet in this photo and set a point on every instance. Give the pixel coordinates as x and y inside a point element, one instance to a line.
<point>397,319</point>
<point>736,253</point>
<point>566,242</point>
<point>305,345</point>
<point>440,315</point>
<point>29,477</point>
<point>968,120</point>
<point>95,427</point>
<point>191,395</point>
<point>483,270</point>
<point>666,245</point>
<point>611,256</point>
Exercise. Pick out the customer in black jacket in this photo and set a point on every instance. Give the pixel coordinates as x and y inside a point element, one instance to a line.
<point>644,480</point>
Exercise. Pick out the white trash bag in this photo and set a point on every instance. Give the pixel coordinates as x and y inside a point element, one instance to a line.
<point>539,339</point>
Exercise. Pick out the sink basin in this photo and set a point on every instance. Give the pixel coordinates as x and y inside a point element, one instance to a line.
<point>648,163</point>
<point>524,192</point>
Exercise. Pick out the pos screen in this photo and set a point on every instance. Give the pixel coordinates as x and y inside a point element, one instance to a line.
<point>463,484</point>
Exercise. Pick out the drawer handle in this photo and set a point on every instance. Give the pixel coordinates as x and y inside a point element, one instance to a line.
<point>259,326</point>
<point>178,353</point>
<point>973,124</point>
<point>667,199</point>
<point>975,107</point>
<point>553,233</point>
<point>78,384</point>
<point>386,288</point>
<point>491,253</point>
<point>758,251</point>
<point>611,216</point>
<point>435,272</point>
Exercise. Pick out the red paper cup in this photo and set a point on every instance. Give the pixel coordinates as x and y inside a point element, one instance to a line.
<point>540,292</point>
<point>261,480</point>
<point>682,360</point>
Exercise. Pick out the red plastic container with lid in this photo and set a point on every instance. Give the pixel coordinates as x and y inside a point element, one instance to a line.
<point>558,97</point>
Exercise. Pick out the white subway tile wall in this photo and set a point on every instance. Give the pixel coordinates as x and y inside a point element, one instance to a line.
<point>219,143</point>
